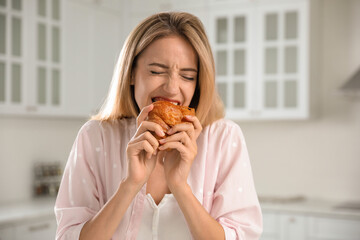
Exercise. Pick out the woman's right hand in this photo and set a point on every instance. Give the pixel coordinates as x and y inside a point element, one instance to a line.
<point>142,149</point>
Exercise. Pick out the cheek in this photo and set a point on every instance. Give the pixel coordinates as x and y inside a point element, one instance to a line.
<point>191,89</point>
<point>189,92</point>
<point>139,92</point>
<point>142,89</point>
<point>139,83</point>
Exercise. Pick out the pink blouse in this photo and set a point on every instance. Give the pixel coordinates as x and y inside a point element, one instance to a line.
<point>220,178</point>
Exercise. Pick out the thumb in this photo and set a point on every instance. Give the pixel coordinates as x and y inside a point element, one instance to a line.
<point>143,114</point>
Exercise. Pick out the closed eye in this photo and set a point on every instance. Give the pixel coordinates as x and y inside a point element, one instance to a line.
<point>189,78</point>
<point>154,72</point>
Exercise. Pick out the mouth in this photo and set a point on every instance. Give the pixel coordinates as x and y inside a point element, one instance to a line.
<point>175,102</point>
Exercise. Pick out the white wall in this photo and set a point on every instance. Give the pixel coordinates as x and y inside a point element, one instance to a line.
<point>24,141</point>
<point>319,157</point>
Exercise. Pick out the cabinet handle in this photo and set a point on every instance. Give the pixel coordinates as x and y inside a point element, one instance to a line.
<point>39,227</point>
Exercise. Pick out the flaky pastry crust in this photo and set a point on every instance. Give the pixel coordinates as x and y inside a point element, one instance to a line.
<point>168,115</point>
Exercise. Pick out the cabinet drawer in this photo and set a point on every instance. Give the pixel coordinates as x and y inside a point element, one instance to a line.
<point>325,228</point>
<point>7,232</point>
<point>293,227</point>
<point>39,229</point>
<point>271,223</point>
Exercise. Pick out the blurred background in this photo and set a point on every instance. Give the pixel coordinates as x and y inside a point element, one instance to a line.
<point>287,70</point>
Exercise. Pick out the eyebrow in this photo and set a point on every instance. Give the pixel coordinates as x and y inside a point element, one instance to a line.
<point>166,67</point>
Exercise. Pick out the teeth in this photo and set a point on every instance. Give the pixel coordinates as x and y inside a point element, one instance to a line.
<point>155,100</point>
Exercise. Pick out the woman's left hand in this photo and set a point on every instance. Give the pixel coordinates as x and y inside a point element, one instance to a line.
<point>182,143</point>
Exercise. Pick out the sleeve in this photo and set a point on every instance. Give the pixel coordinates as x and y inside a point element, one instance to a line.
<point>78,197</point>
<point>235,203</point>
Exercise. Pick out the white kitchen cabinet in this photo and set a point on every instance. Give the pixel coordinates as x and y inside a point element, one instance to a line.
<point>271,226</point>
<point>293,227</point>
<point>232,40</point>
<point>45,67</point>
<point>7,232</point>
<point>36,229</point>
<point>283,226</point>
<point>30,67</point>
<point>260,50</point>
<point>67,54</point>
<point>28,220</point>
<point>333,228</point>
<point>280,225</point>
<point>13,55</point>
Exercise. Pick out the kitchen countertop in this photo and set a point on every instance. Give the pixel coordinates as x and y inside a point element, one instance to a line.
<point>27,210</point>
<point>318,207</point>
<point>38,208</point>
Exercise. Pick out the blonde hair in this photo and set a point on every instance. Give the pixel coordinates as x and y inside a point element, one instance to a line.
<point>120,102</point>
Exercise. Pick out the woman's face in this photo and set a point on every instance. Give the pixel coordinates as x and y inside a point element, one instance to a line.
<point>166,70</point>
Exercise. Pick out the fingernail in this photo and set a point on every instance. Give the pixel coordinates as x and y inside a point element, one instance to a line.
<point>189,117</point>
<point>161,141</point>
<point>170,131</point>
<point>160,133</point>
<point>155,152</point>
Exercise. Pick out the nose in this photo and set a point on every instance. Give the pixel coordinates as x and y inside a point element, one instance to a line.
<point>172,84</point>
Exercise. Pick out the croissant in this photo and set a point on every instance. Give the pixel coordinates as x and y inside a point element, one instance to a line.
<point>168,115</point>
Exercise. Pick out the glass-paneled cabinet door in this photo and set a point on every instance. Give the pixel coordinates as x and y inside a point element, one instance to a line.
<point>46,55</point>
<point>282,53</point>
<point>231,41</point>
<point>12,56</point>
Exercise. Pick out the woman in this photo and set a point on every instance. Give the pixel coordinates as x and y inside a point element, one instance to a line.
<point>120,182</point>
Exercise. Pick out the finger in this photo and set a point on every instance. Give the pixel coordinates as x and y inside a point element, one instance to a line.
<point>143,114</point>
<point>197,125</point>
<point>148,137</point>
<point>174,145</point>
<point>146,126</point>
<point>181,137</point>
<point>144,146</point>
<point>186,127</point>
